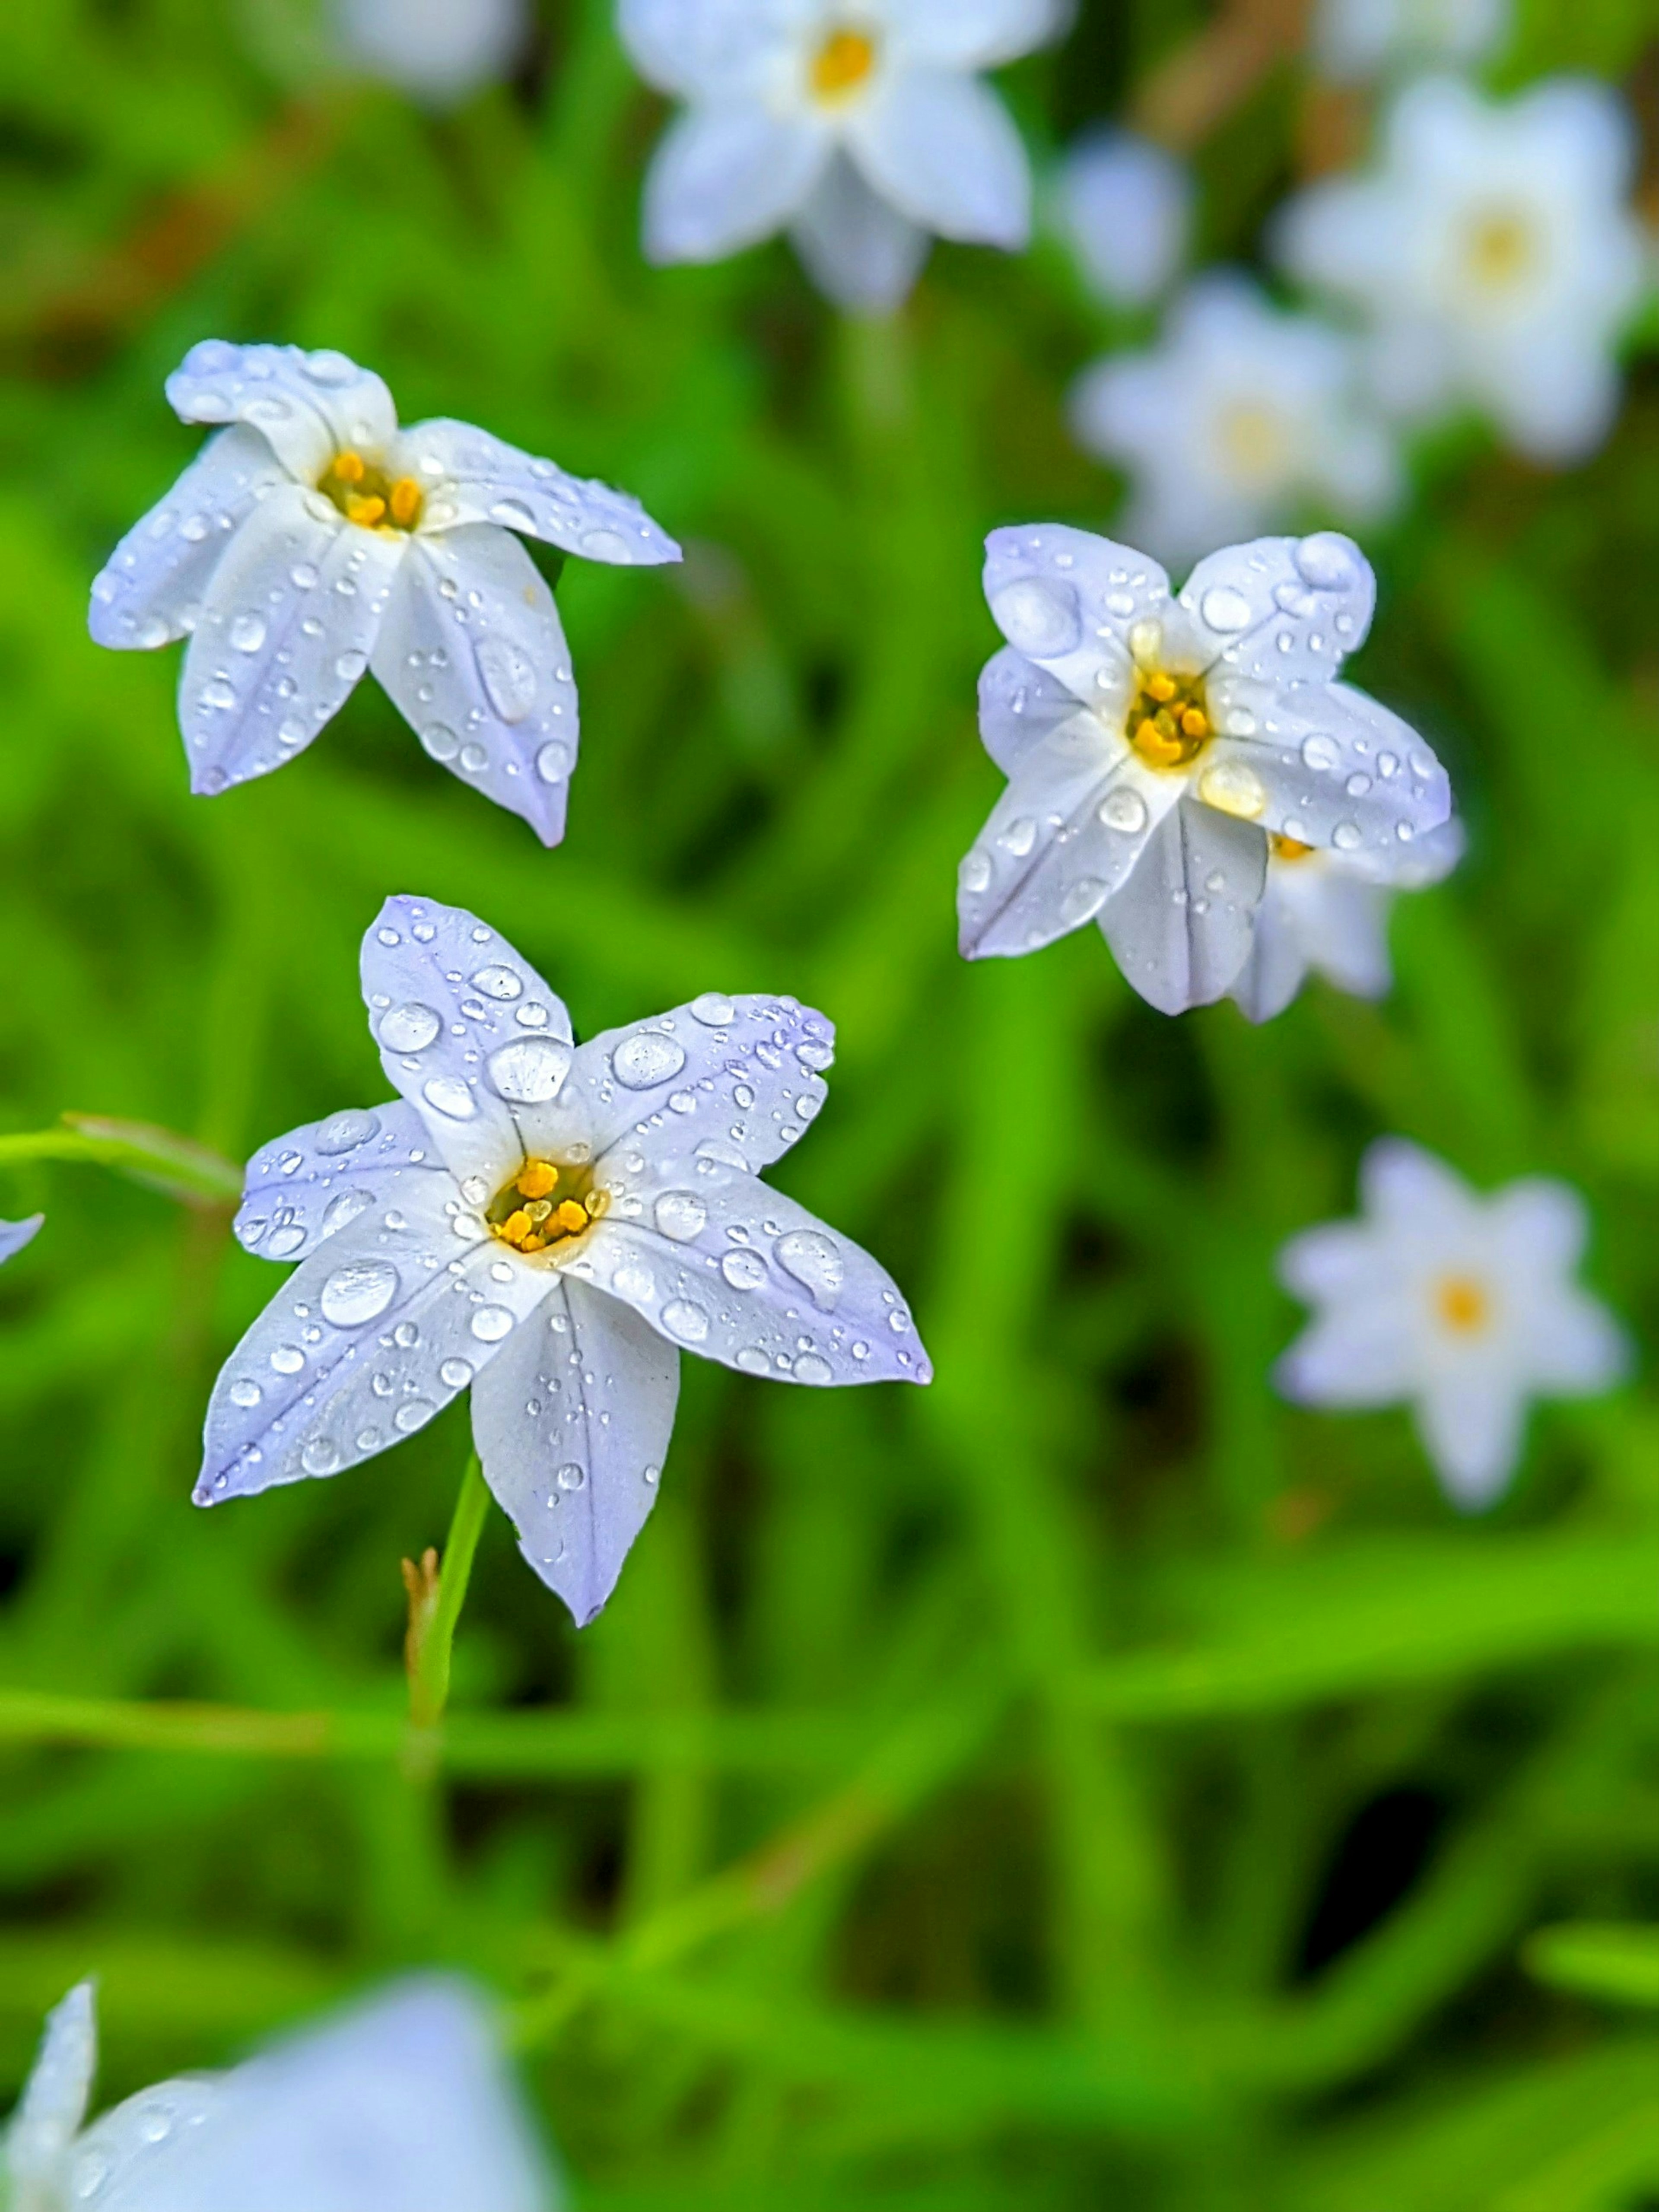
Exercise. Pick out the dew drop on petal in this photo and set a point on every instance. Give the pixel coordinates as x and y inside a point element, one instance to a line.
<point>680,1215</point>
<point>455,1374</point>
<point>1038,617</point>
<point>1320,753</point>
<point>530,1070</point>
<point>646,1059</point>
<point>491,1323</point>
<point>809,1367</point>
<point>814,1261</point>
<point>244,1392</point>
<point>1124,809</point>
<point>745,1271</point>
<point>288,1359</point>
<point>413,1413</point>
<point>553,760</point>
<point>408,1028</point>
<point>713,1009</point>
<point>321,1456</point>
<point>345,1131</point>
<point>1233,787</point>
<point>496,982</point>
<point>508,675</point>
<point>247,633</point>
<point>359,1292</point>
<point>1224,609</point>
<point>684,1319</point>
<point>571,1476</point>
<point>449,1096</point>
<point>975,873</point>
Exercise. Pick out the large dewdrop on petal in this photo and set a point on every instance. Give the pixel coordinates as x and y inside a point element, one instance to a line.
<point>312,540</point>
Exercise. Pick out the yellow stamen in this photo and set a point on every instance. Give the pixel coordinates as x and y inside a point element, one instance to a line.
<point>1161,687</point>
<point>364,512</point>
<point>1168,722</point>
<point>405,502</point>
<point>842,63</point>
<point>517,1226</point>
<point>350,467</point>
<point>536,1179</point>
<point>1462,1304</point>
<point>367,496</point>
<point>571,1215</point>
<point>1196,723</point>
<point>1287,848</point>
<point>533,1223</point>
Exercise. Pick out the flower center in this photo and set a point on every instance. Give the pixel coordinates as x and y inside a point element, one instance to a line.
<point>1253,441</point>
<point>545,1205</point>
<point>1501,248</point>
<point>367,496</point>
<point>841,65</point>
<point>1462,1305</point>
<point>1287,848</point>
<point>1168,723</point>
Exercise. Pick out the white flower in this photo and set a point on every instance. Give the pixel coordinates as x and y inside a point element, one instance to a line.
<point>549,1223</point>
<point>401,2104</point>
<point>1149,741</point>
<point>1494,253</point>
<point>858,124</point>
<point>1329,911</point>
<point>1353,39</point>
<point>313,539</point>
<point>1464,1306</point>
<point>1239,419</point>
<point>1127,207</point>
<point>438,50</point>
<point>15,1235</point>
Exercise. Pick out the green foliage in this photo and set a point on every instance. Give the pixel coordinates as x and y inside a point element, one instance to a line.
<point>1084,1783</point>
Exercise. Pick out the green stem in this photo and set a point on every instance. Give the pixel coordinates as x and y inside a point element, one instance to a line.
<point>160,1157</point>
<point>437,1593</point>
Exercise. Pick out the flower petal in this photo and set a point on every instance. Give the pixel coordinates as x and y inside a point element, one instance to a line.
<point>1069,601</point>
<point>857,247</point>
<point>1574,1346</point>
<point>313,1182</point>
<point>468,1033</point>
<point>1275,970</point>
<point>1360,1353</point>
<point>1064,836</point>
<point>1541,1225</point>
<point>1337,1260</point>
<point>1180,927</point>
<point>1404,1189</point>
<point>369,1338</point>
<point>15,1235</point>
<point>1472,1420</point>
<point>736,1080</point>
<point>1018,703</point>
<point>292,613</point>
<point>152,587</point>
<point>472,654</point>
<point>724,177</point>
<point>1325,765</point>
<point>36,2149</point>
<point>572,1424</point>
<point>972,34</point>
<point>720,1263</point>
<point>1282,610</point>
<point>473,477</point>
<point>702,53</point>
<point>309,406</point>
<point>943,148</point>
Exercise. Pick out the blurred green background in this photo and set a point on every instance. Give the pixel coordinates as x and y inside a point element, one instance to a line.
<point>1086,1783</point>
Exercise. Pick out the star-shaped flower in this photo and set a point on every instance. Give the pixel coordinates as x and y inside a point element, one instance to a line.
<point>1494,254</point>
<point>1238,419</point>
<point>549,1223</point>
<point>1328,912</point>
<point>15,1235</point>
<point>858,124</point>
<point>1149,741</point>
<point>400,2105</point>
<point>312,539</point>
<point>1465,1307</point>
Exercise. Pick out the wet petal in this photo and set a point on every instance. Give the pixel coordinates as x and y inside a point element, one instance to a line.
<point>1275,970</point>
<point>1069,600</point>
<point>724,177</point>
<point>572,1424</point>
<point>151,588</point>
<point>1282,610</point>
<point>943,148</point>
<point>35,2152</point>
<point>857,247</point>
<point>314,1182</point>
<point>15,1235</point>
<point>1062,838</point>
<point>469,1034</point>
<point>1180,927</point>
<point>472,654</point>
<point>719,1262</point>
<point>309,406</point>
<point>1018,703</point>
<point>292,613</point>
<point>737,1078</point>
<point>472,477</point>
<point>369,1338</point>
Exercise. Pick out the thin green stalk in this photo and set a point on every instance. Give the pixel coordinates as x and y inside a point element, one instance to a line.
<point>437,1591</point>
<point>160,1157</point>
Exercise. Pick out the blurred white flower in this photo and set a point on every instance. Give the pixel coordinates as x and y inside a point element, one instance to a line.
<point>1149,741</point>
<point>860,124</point>
<point>315,540</point>
<point>15,1235</point>
<point>1464,1306</point>
<point>1494,253</point>
<point>1354,39</point>
<point>401,2104</point>
<point>1329,911</point>
<point>437,50</point>
<point>1236,420</point>
<point>1127,206</point>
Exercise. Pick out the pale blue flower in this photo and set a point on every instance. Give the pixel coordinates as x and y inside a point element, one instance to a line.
<point>1150,740</point>
<point>401,2104</point>
<point>313,539</point>
<point>15,1235</point>
<point>549,1223</point>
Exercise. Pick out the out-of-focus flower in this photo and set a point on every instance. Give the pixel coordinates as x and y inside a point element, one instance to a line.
<point>401,2104</point>
<point>1149,741</point>
<point>15,1235</point>
<point>1127,206</point>
<point>313,539</point>
<point>1465,1307</point>
<point>1239,416</point>
<point>1329,911</point>
<point>437,50</point>
<point>1494,253</point>
<point>1354,39</point>
<point>861,127</point>
<point>549,1223</point>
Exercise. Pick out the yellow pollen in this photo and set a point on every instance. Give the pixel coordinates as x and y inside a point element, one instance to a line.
<point>364,510</point>
<point>1500,248</point>
<point>842,63</point>
<point>1287,848</point>
<point>350,467</point>
<point>1168,723</point>
<point>405,502</point>
<point>528,1214</point>
<point>1161,688</point>
<point>536,1179</point>
<point>365,494</point>
<point>1462,1304</point>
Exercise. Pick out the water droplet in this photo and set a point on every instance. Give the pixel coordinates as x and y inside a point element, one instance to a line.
<point>1329,562</point>
<point>413,1413</point>
<point>745,1271</point>
<point>450,1096</point>
<point>646,1059</point>
<point>633,1280</point>
<point>497,982</point>
<point>1123,808</point>
<point>302,576</point>
<point>288,1359</point>
<point>512,514</point>
<point>408,1028</point>
<point>491,1323</point>
<point>553,760</point>
<point>219,694</point>
<point>326,366</point>
<point>571,1476</point>
<point>680,1215</point>
<point>975,873</point>
<point>244,1392</point>
<point>1345,837</point>
<point>1357,785</point>
<point>811,1368</point>
<point>1019,836</point>
<point>1081,898</point>
<point>1224,609</point>
<point>247,633</point>
<point>406,1335</point>
<point>510,676</point>
<point>753,1360</point>
<point>357,1293</point>
<point>350,666</point>
<point>1120,604</point>
<point>684,1320</point>
<point>529,1070</point>
<point>814,1261</point>
<point>1038,617</point>
<point>287,1236</point>
<point>713,1009</point>
<point>532,1015</point>
<point>601,544</point>
<point>1321,754</point>
<point>441,741</point>
<point>344,1130</point>
<point>1233,787</point>
<point>474,758</point>
<point>321,1456</point>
